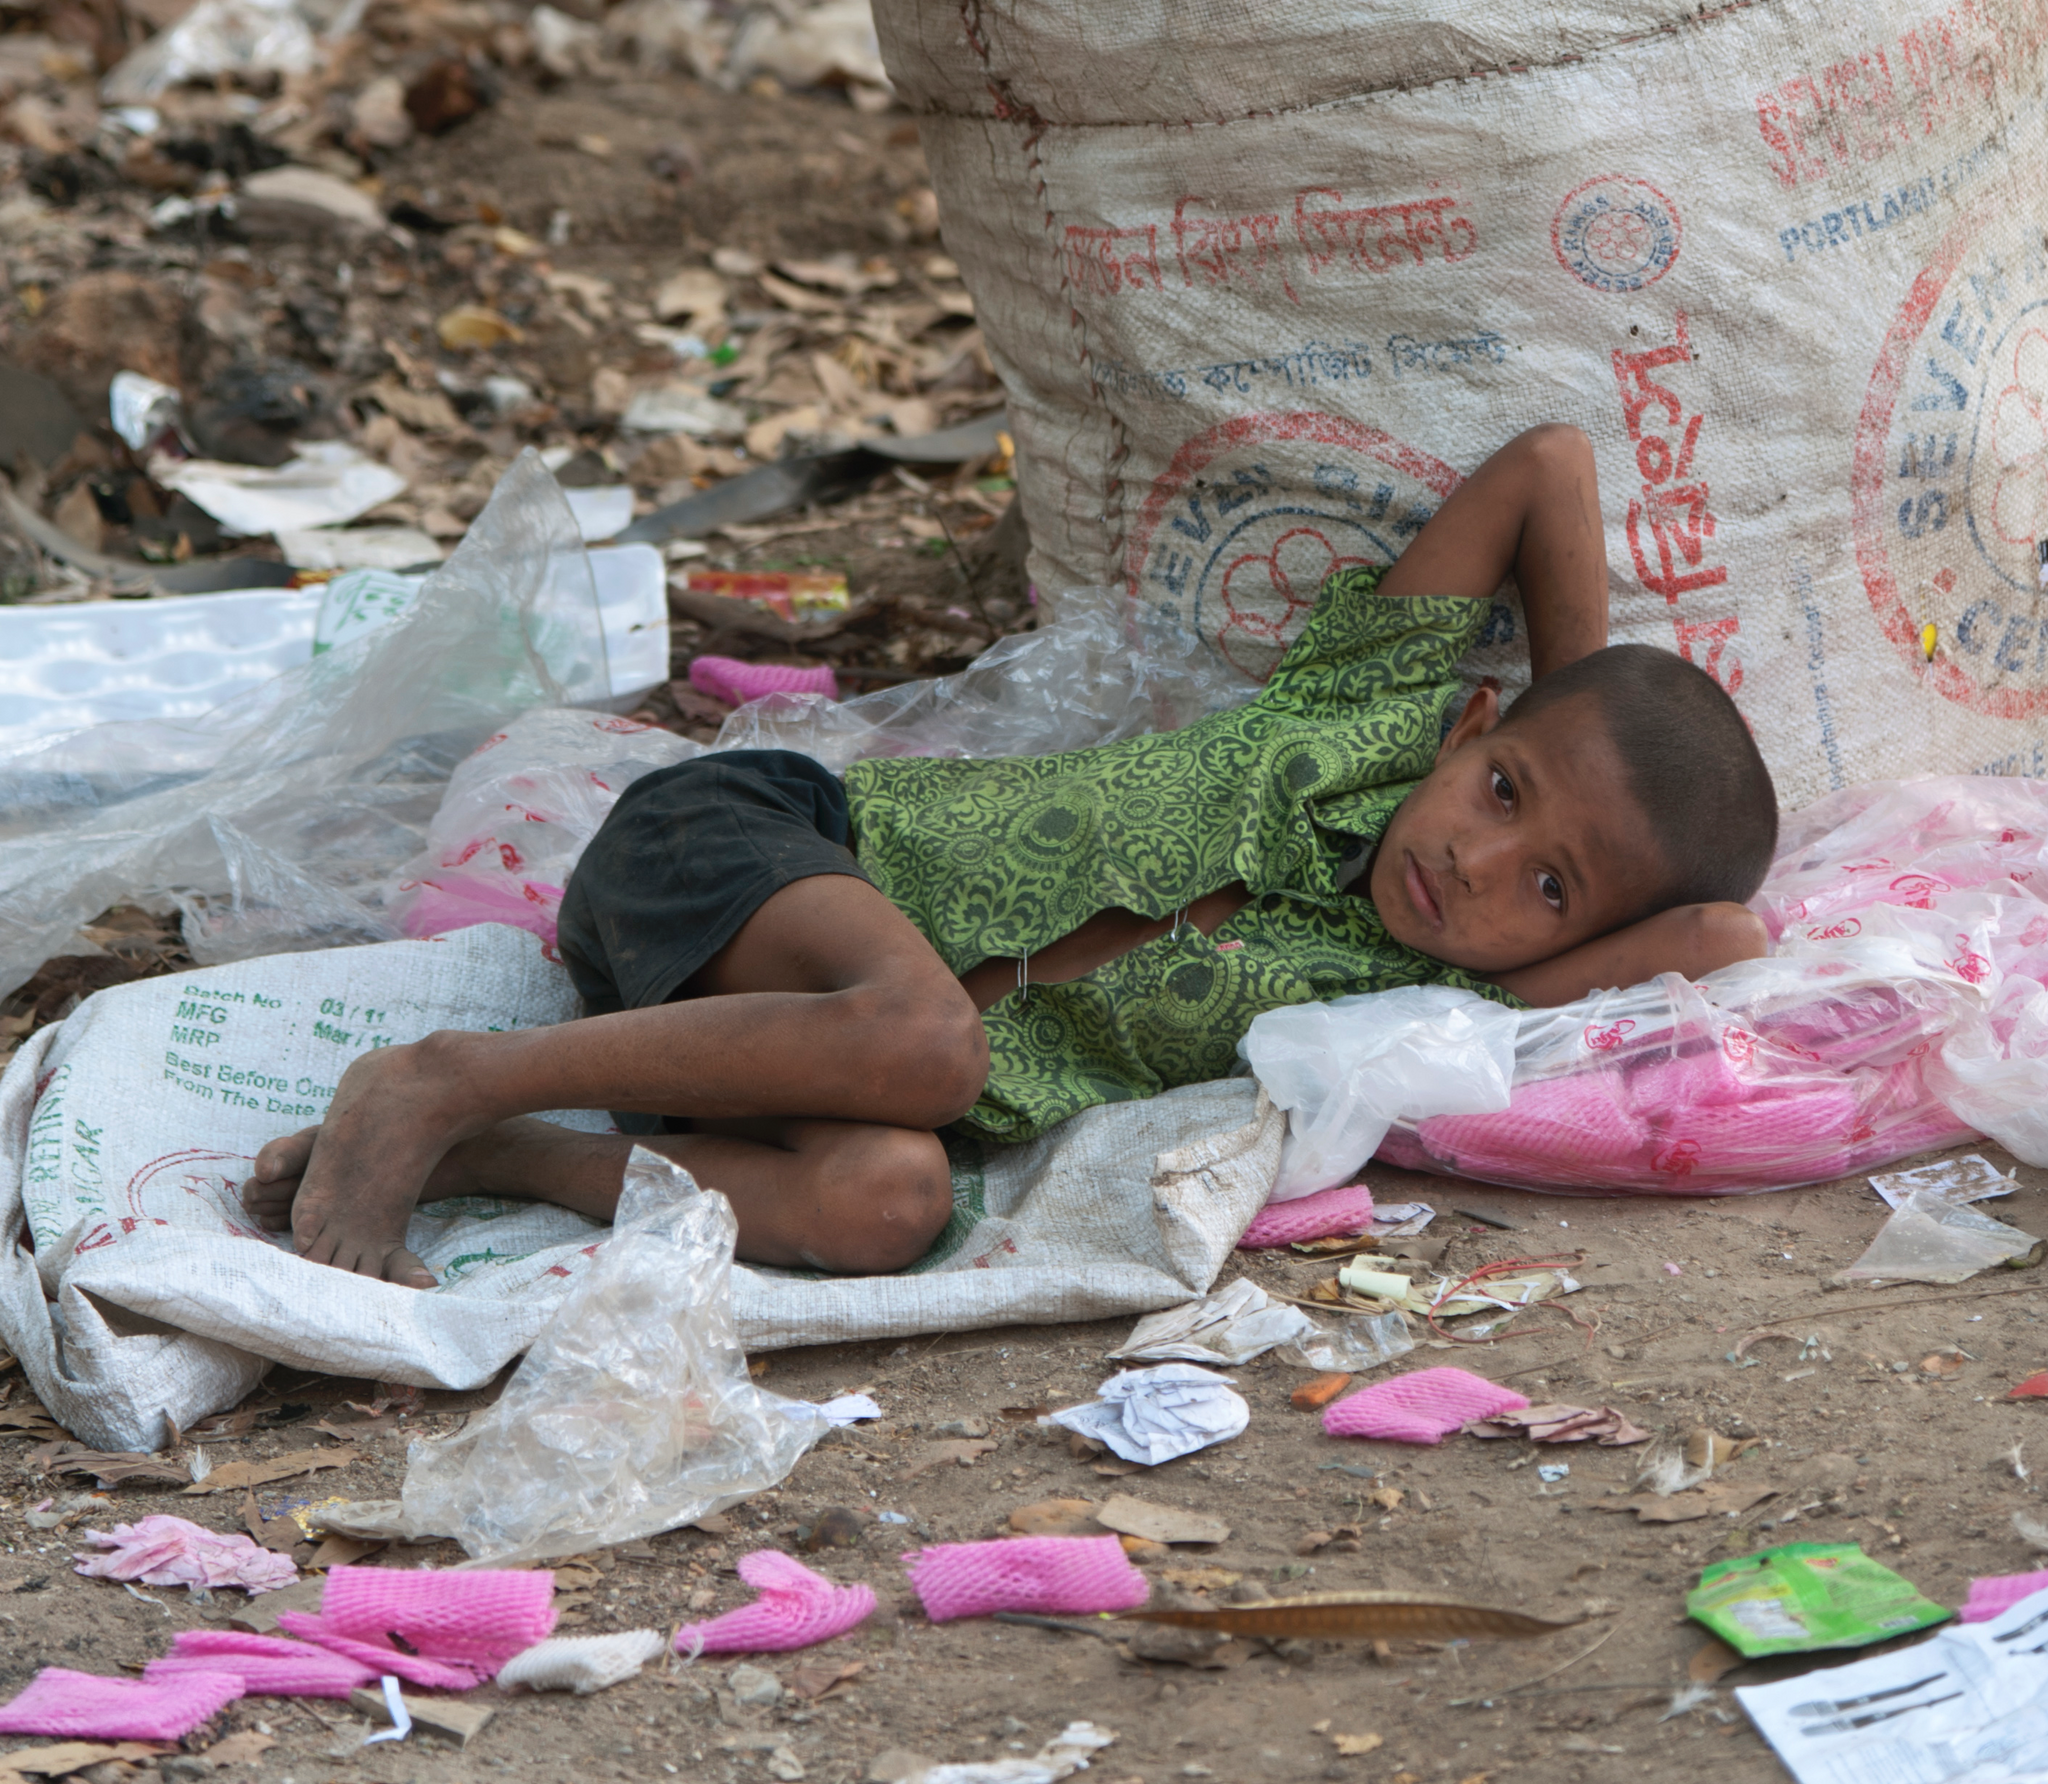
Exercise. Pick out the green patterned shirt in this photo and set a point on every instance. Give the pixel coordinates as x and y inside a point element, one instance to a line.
<point>1002,857</point>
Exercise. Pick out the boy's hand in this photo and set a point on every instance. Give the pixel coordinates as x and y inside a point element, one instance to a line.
<point>1691,939</point>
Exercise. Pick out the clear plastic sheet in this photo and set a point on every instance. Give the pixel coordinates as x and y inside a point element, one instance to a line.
<point>275,821</point>
<point>633,1412</point>
<point>1100,673</point>
<point>519,812</point>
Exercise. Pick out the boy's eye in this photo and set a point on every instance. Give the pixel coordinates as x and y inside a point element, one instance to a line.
<point>1552,889</point>
<point>1503,788</point>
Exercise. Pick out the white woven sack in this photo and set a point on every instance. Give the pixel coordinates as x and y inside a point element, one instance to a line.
<point>1264,278</point>
<point>136,1292</point>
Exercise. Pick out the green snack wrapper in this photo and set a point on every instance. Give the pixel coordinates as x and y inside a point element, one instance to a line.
<point>1805,1595</point>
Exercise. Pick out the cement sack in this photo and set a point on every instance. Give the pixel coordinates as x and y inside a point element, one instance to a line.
<point>135,1291</point>
<point>1264,280</point>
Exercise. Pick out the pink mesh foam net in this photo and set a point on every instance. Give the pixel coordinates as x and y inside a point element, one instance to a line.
<point>381,1657</point>
<point>1995,1594</point>
<point>735,682</point>
<point>476,1619</point>
<point>267,1665</point>
<point>1042,1575</point>
<point>84,1706</point>
<point>1419,1408</point>
<point>1344,1210</point>
<point>797,1608</point>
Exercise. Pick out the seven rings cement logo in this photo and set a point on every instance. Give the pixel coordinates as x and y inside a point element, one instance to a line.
<point>1950,477</point>
<point>1615,233</point>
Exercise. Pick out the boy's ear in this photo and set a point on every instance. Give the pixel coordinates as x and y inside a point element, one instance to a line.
<point>1481,714</point>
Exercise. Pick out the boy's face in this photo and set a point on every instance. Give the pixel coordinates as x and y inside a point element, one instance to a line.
<point>1522,842</point>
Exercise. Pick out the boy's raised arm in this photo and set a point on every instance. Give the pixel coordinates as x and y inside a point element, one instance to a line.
<point>1692,939</point>
<point>1533,511</point>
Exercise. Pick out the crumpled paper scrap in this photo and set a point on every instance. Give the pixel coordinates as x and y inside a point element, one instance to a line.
<point>1153,1415</point>
<point>167,1551</point>
<point>1237,1323</point>
<point>1563,1424</point>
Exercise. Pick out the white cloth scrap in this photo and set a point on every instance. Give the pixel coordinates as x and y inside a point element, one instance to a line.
<point>582,1663</point>
<point>1154,1415</point>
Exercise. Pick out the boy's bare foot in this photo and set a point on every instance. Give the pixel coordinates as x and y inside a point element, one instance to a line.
<point>347,1188</point>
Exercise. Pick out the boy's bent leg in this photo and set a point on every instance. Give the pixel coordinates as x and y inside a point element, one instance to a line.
<point>846,1196</point>
<point>827,1004</point>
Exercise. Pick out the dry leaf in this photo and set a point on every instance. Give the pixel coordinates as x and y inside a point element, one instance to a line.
<point>469,327</point>
<point>1564,1424</point>
<point>1714,1660</point>
<point>1386,1498</point>
<point>814,1682</point>
<point>1160,1523</point>
<point>1943,1362</point>
<point>1200,1579</point>
<point>1056,1517</point>
<point>1710,1450</point>
<point>1116,1467</point>
<point>109,1467</point>
<point>962,1450</point>
<point>1378,1616</point>
<point>73,1756</point>
<point>234,1476</point>
<point>279,1535</point>
<point>1143,1550</point>
<point>243,1748</point>
<point>795,297</point>
<point>575,1576</point>
<point>1350,1746</point>
<point>1682,1508</point>
<point>342,1551</point>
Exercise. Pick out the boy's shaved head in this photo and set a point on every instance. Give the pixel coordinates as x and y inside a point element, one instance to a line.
<point>1689,760</point>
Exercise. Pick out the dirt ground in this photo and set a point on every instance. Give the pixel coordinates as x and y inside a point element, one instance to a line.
<point>1861,1442</point>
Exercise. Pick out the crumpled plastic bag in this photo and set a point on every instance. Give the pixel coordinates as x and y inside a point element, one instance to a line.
<point>1931,1237</point>
<point>633,1412</point>
<point>244,37</point>
<point>273,822</point>
<point>1346,1069</point>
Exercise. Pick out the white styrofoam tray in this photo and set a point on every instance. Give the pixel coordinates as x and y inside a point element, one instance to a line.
<point>179,656</point>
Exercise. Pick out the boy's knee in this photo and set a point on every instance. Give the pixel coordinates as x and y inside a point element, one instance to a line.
<point>885,1197</point>
<point>1557,446</point>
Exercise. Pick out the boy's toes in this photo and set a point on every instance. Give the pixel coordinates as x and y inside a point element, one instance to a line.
<point>407,1271</point>
<point>285,1159</point>
<point>269,1205</point>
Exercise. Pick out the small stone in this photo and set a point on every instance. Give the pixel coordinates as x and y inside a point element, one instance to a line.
<point>755,1687</point>
<point>183,1768</point>
<point>967,1427</point>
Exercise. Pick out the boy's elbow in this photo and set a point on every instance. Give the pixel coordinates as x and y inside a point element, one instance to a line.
<point>1721,934</point>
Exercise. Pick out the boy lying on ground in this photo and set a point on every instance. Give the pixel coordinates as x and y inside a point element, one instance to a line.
<point>792,980</point>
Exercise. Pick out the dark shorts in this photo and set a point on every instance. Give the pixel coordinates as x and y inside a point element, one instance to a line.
<point>687,855</point>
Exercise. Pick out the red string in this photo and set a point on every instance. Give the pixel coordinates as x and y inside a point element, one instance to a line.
<point>1509,1267</point>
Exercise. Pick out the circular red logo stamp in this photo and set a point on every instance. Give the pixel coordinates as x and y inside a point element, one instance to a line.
<point>1616,233</point>
<point>1949,484</point>
<point>1240,531</point>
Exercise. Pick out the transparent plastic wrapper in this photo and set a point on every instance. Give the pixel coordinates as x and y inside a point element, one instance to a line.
<point>520,811</point>
<point>1934,1238</point>
<point>244,37</point>
<point>1344,1070</point>
<point>1351,1345</point>
<point>1101,673</point>
<point>274,821</point>
<point>633,1412</point>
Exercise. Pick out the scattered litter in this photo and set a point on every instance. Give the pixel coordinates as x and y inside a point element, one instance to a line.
<point>643,1341</point>
<point>2030,1531</point>
<point>1151,1416</point>
<point>1061,1757</point>
<point>168,1551</point>
<point>1352,1344</point>
<point>602,512</point>
<point>1807,1595</point>
<point>358,548</point>
<point>796,1609</point>
<point>250,38</point>
<point>1420,1408</point>
<point>791,595</point>
<point>1964,1704</point>
<point>1550,1473</point>
<point>1372,1616</point>
<point>395,1710</point>
<point>1489,1217</point>
<point>1401,1220</point>
<point>1313,1396</point>
<point>1040,1575</point>
<point>142,410</point>
<point>327,483</point>
<point>86,1706</point>
<point>1994,1594</point>
<point>849,1409</point>
<point>73,1758</point>
<point>2035,1387</point>
<point>1683,1506</point>
<point>1563,1424</point>
<point>1160,1523</point>
<point>1930,1238</point>
<point>1971,1178</point>
<point>1235,1324</point>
